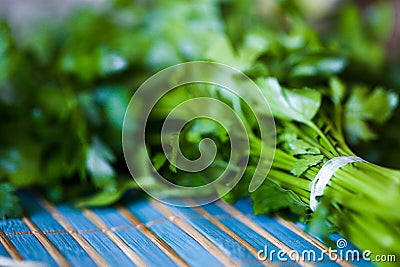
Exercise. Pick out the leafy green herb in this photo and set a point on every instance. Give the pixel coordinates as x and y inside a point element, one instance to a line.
<point>9,202</point>
<point>64,90</point>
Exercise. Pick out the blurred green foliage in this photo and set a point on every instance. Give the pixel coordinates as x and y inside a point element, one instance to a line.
<point>64,87</point>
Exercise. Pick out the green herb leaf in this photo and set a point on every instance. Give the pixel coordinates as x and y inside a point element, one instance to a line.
<point>99,166</point>
<point>305,163</point>
<point>299,147</point>
<point>270,198</point>
<point>299,105</point>
<point>364,106</point>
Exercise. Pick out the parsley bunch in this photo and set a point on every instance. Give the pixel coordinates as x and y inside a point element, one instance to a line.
<point>64,88</point>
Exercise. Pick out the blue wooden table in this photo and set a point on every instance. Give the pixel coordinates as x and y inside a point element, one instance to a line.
<point>148,233</point>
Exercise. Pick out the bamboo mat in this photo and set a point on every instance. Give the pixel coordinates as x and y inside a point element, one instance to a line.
<point>148,233</point>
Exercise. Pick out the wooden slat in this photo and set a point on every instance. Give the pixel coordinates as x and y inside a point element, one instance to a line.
<point>111,235</point>
<point>171,234</point>
<point>93,254</point>
<point>232,234</point>
<point>51,249</point>
<point>153,237</point>
<point>259,230</point>
<point>9,247</point>
<point>203,241</point>
<point>314,242</point>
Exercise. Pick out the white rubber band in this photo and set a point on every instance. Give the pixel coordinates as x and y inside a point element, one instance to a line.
<point>325,174</point>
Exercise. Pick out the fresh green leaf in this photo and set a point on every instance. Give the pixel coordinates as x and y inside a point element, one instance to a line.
<point>270,198</point>
<point>99,166</point>
<point>305,163</point>
<point>159,160</point>
<point>299,147</point>
<point>204,127</point>
<point>299,105</point>
<point>106,197</point>
<point>364,106</point>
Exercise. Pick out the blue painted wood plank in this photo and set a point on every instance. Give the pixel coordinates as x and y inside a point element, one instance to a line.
<point>135,239</point>
<point>247,234</point>
<point>334,237</point>
<point>284,234</point>
<point>3,251</point>
<point>186,247</point>
<point>65,243</point>
<point>245,205</point>
<point>223,241</point>
<point>107,249</point>
<point>75,217</point>
<point>26,244</point>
